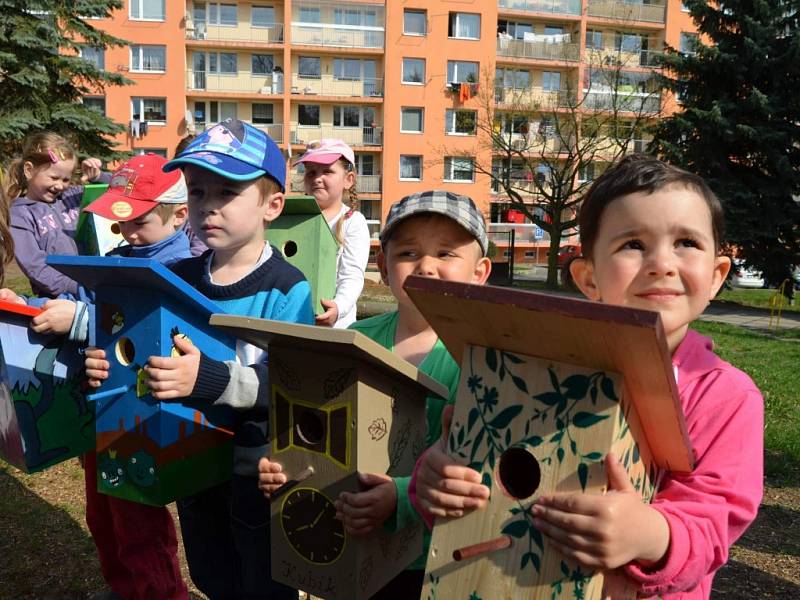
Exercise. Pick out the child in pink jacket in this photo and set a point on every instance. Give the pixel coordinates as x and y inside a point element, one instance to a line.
<point>651,237</point>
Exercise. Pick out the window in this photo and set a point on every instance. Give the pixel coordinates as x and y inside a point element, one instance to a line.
<point>346,116</point>
<point>515,124</point>
<point>414,70</point>
<point>460,122</point>
<point>224,62</point>
<point>530,253</point>
<point>518,79</point>
<point>222,14</point>
<point>411,120</point>
<point>262,113</point>
<point>458,168</point>
<point>586,172</point>
<point>365,164</point>
<point>97,103</point>
<point>309,14</point>
<point>689,43</point>
<point>594,38</point>
<point>149,109</point>
<point>262,64</point>
<point>94,55</point>
<point>461,71</point>
<point>162,152</point>
<point>415,22</point>
<point>629,42</point>
<point>410,167</point>
<point>684,8</point>
<point>149,58</point>
<point>551,81</point>
<point>308,67</point>
<point>465,26</point>
<point>308,114</point>
<point>514,29</point>
<point>347,69</point>
<point>262,16</point>
<point>553,30</point>
<point>147,10</point>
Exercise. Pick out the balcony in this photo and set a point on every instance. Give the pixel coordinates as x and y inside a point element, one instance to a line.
<point>523,233</point>
<point>243,32</point>
<point>533,98</point>
<point>533,143</point>
<point>642,103</point>
<point>239,82</point>
<point>627,11</point>
<point>612,56</point>
<point>365,184</point>
<point>328,85</point>
<point>353,136</point>
<point>273,130</point>
<point>562,7</point>
<point>538,50</point>
<point>316,34</point>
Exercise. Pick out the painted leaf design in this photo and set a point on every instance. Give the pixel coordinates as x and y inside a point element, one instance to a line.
<point>536,535</point>
<point>587,419</point>
<point>520,383</point>
<point>473,416</point>
<point>576,386</point>
<point>554,379</point>
<point>525,559</point>
<point>491,359</point>
<point>516,529</point>
<point>487,479</point>
<point>508,437</point>
<point>564,569</point>
<point>512,358</point>
<point>593,456</point>
<point>560,453</point>
<point>337,382</point>
<point>502,372</point>
<point>549,398</point>
<point>593,394</point>
<point>608,388</point>
<point>506,415</point>
<point>583,475</point>
<point>573,446</point>
<point>635,453</point>
<point>534,440</point>
<point>476,444</point>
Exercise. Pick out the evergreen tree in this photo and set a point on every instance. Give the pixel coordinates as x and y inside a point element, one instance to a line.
<point>739,123</point>
<point>43,78</point>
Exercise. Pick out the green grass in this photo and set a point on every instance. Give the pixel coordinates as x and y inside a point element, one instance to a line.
<point>772,362</point>
<point>754,298</point>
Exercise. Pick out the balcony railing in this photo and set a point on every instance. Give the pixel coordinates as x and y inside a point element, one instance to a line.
<point>241,81</point>
<point>328,85</point>
<point>533,143</point>
<point>622,58</point>
<point>637,102</point>
<point>537,50</point>
<point>337,36</point>
<point>533,98</point>
<point>354,136</point>
<point>564,7</point>
<point>365,184</point>
<point>273,130</point>
<point>244,32</point>
<point>627,11</point>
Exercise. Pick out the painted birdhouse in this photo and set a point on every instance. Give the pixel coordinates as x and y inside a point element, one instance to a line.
<point>44,417</point>
<point>304,238</point>
<point>150,451</point>
<point>548,387</point>
<point>97,235</point>
<point>359,409</point>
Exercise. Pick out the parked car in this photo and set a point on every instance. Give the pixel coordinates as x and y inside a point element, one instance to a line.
<point>567,252</point>
<point>745,277</point>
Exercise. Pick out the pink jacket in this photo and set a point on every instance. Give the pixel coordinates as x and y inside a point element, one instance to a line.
<point>708,509</point>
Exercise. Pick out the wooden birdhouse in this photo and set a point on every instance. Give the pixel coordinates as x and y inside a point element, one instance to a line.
<point>150,451</point>
<point>340,404</point>
<point>549,386</point>
<point>44,417</point>
<point>305,240</point>
<point>97,235</point>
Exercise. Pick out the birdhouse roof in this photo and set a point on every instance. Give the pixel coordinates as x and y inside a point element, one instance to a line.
<point>300,205</point>
<point>325,341</point>
<point>137,273</point>
<point>19,309</point>
<point>624,340</point>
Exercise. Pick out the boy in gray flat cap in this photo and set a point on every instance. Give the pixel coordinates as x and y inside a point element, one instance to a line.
<point>434,234</point>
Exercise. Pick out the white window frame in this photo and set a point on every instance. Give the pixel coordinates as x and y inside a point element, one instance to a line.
<point>301,75</point>
<point>252,57</point>
<point>418,11</point>
<point>403,71</point>
<point>274,12</point>
<point>451,118</point>
<point>137,107</point>
<point>319,116</point>
<point>456,63</point>
<point>93,99</point>
<point>101,54</point>
<point>217,5</point>
<point>138,49</point>
<point>340,108</point>
<point>454,17</point>
<point>450,170</point>
<point>271,116</point>
<point>418,109</point>
<point>140,5</point>
<point>410,156</point>
<point>550,76</point>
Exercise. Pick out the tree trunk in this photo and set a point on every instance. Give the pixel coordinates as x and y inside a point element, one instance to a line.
<point>552,254</point>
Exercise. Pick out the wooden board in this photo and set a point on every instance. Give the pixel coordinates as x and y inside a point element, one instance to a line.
<point>624,340</point>
<point>325,340</point>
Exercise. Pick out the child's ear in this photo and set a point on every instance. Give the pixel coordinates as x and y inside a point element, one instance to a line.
<point>274,207</point>
<point>722,265</point>
<point>482,270</point>
<point>381,260</point>
<point>582,272</point>
<point>28,170</point>
<point>181,213</point>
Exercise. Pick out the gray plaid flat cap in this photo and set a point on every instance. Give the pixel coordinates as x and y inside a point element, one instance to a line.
<point>455,206</point>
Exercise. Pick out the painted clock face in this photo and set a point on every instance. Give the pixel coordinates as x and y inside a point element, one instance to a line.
<point>310,526</point>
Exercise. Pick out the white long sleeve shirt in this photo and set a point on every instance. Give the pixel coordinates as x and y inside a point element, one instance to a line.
<point>351,262</point>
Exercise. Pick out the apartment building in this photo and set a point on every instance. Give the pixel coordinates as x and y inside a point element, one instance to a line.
<point>403,82</point>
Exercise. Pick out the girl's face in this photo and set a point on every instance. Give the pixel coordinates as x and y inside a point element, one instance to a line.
<point>655,251</point>
<point>327,182</point>
<point>46,182</point>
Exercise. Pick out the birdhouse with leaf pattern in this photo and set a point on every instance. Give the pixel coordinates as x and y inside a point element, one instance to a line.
<point>150,451</point>
<point>306,241</point>
<point>360,409</point>
<point>548,387</point>
<point>96,235</point>
<point>44,416</point>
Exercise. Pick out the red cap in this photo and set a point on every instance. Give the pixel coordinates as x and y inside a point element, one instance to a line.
<point>137,187</point>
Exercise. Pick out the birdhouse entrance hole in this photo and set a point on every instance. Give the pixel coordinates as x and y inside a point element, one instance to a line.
<point>310,427</point>
<point>125,351</point>
<point>289,249</point>
<point>519,473</point>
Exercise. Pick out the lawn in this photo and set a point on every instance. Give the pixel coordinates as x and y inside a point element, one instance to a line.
<point>756,298</point>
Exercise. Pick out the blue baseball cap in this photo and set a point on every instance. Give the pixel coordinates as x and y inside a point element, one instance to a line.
<point>234,150</point>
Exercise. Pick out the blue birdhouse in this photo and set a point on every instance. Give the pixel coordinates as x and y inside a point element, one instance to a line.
<point>151,451</point>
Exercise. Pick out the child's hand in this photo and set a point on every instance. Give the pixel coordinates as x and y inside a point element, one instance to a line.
<point>8,295</point>
<point>362,512</point>
<point>97,366</point>
<point>270,476</point>
<point>331,314</point>
<point>443,487</point>
<point>56,318</point>
<point>174,377</point>
<point>604,531</point>
<point>91,169</point>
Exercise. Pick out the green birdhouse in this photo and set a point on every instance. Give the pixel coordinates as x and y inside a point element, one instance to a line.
<point>96,235</point>
<point>302,235</point>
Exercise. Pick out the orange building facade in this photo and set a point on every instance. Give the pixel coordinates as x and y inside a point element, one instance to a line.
<point>401,81</point>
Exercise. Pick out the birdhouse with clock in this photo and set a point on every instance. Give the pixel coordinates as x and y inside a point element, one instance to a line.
<point>361,409</point>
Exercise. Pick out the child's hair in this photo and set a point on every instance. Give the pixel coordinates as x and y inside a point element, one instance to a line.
<point>165,210</point>
<point>266,187</point>
<point>6,241</point>
<point>39,149</point>
<point>641,173</point>
<point>183,143</point>
<point>349,197</point>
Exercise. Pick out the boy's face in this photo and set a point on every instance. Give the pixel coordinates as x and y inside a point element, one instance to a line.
<point>150,228</point>
<point>655,251</point>
<point>229,215</point>
<point>431,245</point>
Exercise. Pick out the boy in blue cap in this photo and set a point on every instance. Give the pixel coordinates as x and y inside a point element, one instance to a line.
<point>235,177</point>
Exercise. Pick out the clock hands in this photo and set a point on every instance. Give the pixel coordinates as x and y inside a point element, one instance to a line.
<point>313,523</point>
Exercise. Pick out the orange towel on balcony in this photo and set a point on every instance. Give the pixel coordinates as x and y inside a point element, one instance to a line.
<point>463,92</point>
